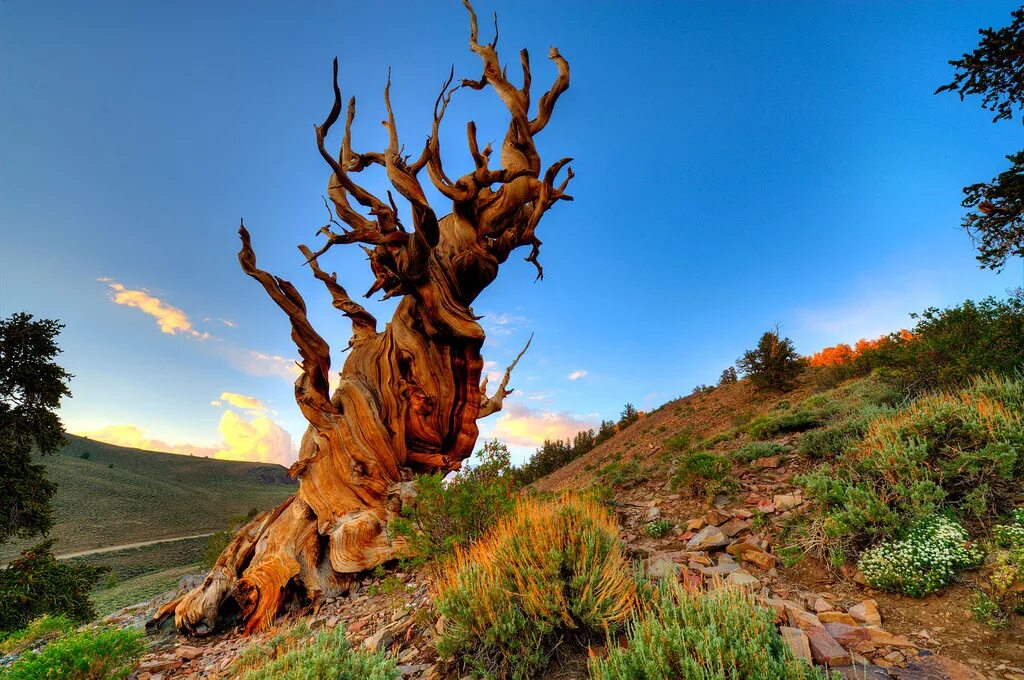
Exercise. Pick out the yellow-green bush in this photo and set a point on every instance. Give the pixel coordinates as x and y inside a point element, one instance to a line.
<point>296,654</point>
<point>108,654</point>
<point>716,635</point>
<point>960,451</point>
<point>548,567</point>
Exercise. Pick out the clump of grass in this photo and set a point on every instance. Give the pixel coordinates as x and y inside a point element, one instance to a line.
<point>702,473</point>
<point>680,441</point>
<point>775,424</point>
<point>717,635</point>
<point>546,568</point>
<point>755,450</point>
<point>295,654</point>
<point>1004,574</point>
<point>108,654</point>
<point>45,627</point>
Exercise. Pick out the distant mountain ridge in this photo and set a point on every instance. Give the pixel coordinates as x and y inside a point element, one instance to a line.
<point>110,495</point>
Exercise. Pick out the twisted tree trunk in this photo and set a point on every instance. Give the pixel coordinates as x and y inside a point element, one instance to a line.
<point>409,395</point>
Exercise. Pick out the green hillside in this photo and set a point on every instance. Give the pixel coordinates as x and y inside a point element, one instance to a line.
<point>112,495</point>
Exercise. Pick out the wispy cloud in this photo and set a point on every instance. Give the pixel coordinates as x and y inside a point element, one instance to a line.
<point>169,318</point>
<point>519,425</point>
<point>503,324</point>
<point>576,375</point>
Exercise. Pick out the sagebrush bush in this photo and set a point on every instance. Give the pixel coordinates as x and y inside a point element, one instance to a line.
<point>36,583</point>
<point>755,450</point>
<point>962,451</point>
<point>1004,573</point>
<point>108,654</point>
<point>716,635</point>
<point>547,567</point>
<point>702,473</point>
<point>296,654</point>
<point>773,424</point>
<point>44,628</point>
<point>446,514</point>
<point>931,555</point>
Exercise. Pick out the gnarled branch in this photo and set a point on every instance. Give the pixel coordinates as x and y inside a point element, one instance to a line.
<point>493,404</point>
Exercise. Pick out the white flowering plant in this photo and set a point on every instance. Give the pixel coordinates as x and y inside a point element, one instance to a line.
<point>658,528</point>
<point>930,556</point>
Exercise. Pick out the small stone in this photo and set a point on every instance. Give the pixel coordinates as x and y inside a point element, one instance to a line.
<point>767,507</point>
<point>867,613</point>
<point>379,641</point>
<point>837,617</point>
<point>751,552</point>
<point>825,649</point>
<point>735,526</point>
<point>158,665</point>
<point>716,517</point>
<point>783,502</point>
<point>653,513</point>
<point>766,463</point>
<point>798,642</point>
<point>743,579</point>
<point>708,538</point>
<point>695,524</point>
<point>188,652</point>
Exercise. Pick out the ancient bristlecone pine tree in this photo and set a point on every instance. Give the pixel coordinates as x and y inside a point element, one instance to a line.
<point>410,395</point>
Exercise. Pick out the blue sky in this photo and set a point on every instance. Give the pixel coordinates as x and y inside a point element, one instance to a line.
<point>738,165</point>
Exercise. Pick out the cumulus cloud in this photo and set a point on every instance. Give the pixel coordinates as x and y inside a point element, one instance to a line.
<point>240,401</point>
<point>259,439</point>
<point>251,436</point>
<point>576,375</point>
<point>134,437</point>
<point>170,319</point>
<point>519,425</point>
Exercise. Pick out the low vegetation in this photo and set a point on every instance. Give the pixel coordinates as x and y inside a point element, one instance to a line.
<point>957,451</point>
<point>927,559</point>
<point>702,473</point>
<point>296,653</point>
<point>104,654</point>
<point>717,635</point>
<point>42,629</point>
<point>447,515</point>
<point>36,584</point>
<point>548,568</point>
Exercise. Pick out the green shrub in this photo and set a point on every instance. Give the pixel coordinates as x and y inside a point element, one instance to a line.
<point>658,528</point>
<point>295,655</point>
<point>445,515</point>
<point>962,451</point>
<point>625,474</point>
<point>718,635</point>
<point>755,450</point>
<point>772,425</point>
<point>680,441</point>
<point>547,568</point>
<point>1004,574</point>
<point>930,556</point>
<point>108,654</point>
<point>44,628</point>
<point>950,346</point>
<point>702,472</point>
<point>36,584</point>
